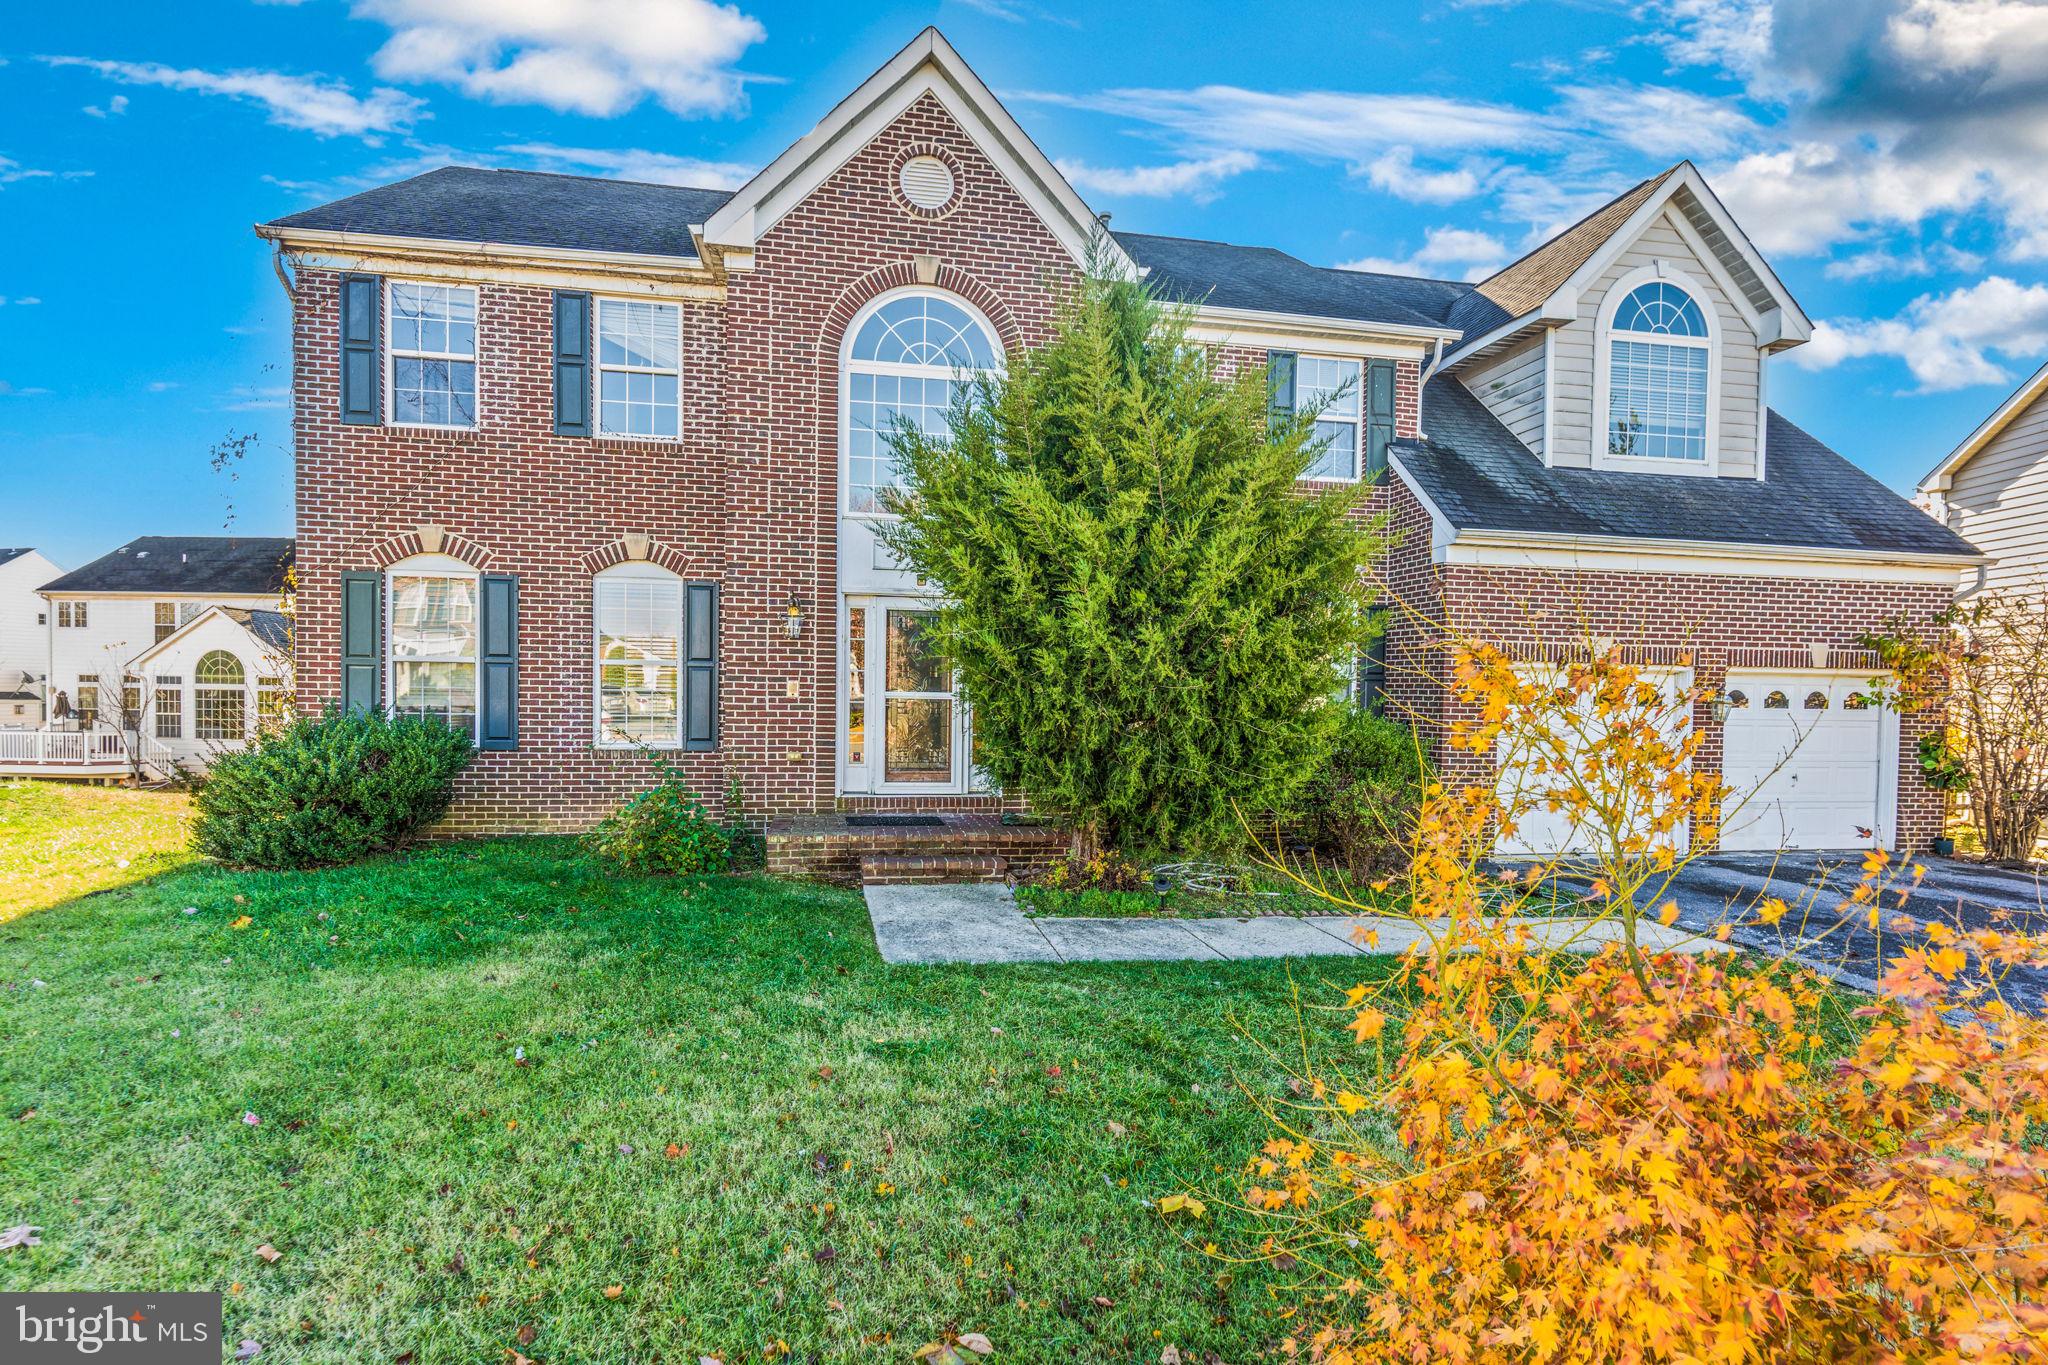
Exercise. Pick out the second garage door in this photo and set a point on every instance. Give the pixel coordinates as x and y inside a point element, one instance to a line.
<point>1809,758</point>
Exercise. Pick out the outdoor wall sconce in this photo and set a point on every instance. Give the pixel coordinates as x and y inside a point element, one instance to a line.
<point>796,617</point>
<point>1718,708</point>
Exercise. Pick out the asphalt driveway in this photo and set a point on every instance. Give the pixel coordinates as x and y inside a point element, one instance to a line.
<point>1727,887</point>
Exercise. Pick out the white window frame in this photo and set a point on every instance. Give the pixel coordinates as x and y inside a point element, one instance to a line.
<point>1357,418</point>
<point>430,566</point>
<point>392,353</point>
<point>1604,336</point>
<point>599,369</point>
<point>645,572</point>
<point>167,687</point>
<point>201,690</point>
<point>162,629</point>
<point>71,614</point>
<point>846,373</point>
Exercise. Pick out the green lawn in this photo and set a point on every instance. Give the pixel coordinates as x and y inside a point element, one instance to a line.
<point>728,1110</point>
<point>63,839</point>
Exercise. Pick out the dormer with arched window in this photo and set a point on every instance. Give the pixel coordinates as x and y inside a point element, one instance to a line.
<point>1658,376</point>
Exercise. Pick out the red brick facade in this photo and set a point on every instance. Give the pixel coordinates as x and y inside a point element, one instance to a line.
<point>749,496</point>
<point>1713,622</point>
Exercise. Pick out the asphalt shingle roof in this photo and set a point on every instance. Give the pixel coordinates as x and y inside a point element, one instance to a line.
<point>17,553</point>
<point>523,208</point>
<point>1188,270</point>
<point>171,564</point>
<point>1482,478</point>
<point>270,627</point>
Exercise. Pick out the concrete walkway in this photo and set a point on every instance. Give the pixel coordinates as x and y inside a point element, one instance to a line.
<point>982,923</point>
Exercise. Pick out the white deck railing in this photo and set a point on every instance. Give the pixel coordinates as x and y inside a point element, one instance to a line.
<point>96,752</point>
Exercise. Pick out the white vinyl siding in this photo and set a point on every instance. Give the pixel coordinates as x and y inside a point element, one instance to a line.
<point>1577,432</point>
<point>1998,500</point>
<point>1511,386</point>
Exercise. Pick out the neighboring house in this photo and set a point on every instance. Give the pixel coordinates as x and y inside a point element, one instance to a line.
<point>1993,489</point>
<point>24,642</point>
<point>176,642</point>
<point>594,468</point>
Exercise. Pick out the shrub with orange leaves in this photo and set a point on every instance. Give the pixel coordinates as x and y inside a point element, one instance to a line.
<point>1644,1155</point>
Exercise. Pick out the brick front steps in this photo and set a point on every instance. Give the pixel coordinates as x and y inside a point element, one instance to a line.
<point>962,847</point>
<point>882,870</point>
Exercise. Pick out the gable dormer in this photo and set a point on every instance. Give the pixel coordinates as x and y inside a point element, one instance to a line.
<point>1636,339</point>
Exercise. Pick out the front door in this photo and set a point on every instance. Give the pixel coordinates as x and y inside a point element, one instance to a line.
<point>903,727</point>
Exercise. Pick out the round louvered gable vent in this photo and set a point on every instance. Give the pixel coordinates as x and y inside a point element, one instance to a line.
<point>926,182</point>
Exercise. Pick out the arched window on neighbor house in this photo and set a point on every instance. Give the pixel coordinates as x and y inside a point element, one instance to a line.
<point>219,697</point>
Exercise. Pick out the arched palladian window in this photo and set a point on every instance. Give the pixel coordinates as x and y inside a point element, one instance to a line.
<point>219,699</point>
<point>1659,367</point>
<point>906,353</point>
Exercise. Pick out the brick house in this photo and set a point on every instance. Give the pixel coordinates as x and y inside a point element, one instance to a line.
<point>593,467</point>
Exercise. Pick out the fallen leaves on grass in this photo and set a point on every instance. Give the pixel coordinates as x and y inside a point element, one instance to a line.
<point>241,922</point>
<point>248,1350</point>
<point>672,1151</point>
<point>612,1291</point>
<point>1183,1203</point>
<point>269,1253</point>
<point>525,1335</point>
<point>947,1349</point>
<point>20,1235</point>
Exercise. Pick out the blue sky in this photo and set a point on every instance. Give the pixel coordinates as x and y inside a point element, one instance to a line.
<point>1884,153</point>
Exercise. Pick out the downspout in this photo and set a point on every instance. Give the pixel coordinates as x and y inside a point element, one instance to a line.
<point>1428,373</point>
<point>277,263</point>
<point>1983,578</point>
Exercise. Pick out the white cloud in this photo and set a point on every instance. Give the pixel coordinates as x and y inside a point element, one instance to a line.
<point>162,385</point>
<point>1911,264</point>
<point>326,107</point>
<point>1197,179</point>
<point>598,57</point>
<point>1395,172</point>
<point>1734,35</point>
<point>1444,250</point>
<point>116,106</point>
<point>24,301</point>
<point>1945,340</point>
<point>249,398</point>
<point>658,168</point>
<point>8,390</point>
<point>1330,124</point>
<point>1813,195</point>
<point>1017,12</point>
<point>1659,120</point>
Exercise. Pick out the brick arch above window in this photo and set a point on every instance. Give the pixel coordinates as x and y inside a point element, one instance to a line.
<point>428,539</point>
<point>634,548</point>
<point>906,275</point>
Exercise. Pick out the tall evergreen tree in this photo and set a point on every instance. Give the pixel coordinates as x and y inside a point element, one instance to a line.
<point>1147,613</point>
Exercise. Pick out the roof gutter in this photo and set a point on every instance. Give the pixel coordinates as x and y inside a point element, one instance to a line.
<point>1567,540</point>
<point>1311,322</point>
<point>504,253</point>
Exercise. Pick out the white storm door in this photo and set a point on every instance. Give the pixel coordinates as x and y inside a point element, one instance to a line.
<point>1808,762</point>
<point>903,727</point>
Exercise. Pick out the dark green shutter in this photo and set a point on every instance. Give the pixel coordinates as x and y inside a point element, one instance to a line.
<point>362,641</point>
<point>572,364</point>
<point>700,666</point>
<point>361,297</point>
<point>1372,666</point>
<point>497,712</point>
<point>1379,415</point>
<point>1280,387</point>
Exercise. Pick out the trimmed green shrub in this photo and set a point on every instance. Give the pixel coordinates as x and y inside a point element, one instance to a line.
<point>331,790</point>
<point>1360,810</point>
<point>663,829</point>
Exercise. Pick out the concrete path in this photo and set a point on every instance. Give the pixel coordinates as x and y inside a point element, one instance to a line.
<point>982,923</point>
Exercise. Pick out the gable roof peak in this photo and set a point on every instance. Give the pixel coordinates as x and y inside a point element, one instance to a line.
<point>926,64</point>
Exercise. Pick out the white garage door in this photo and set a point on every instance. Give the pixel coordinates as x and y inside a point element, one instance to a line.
<point>1808,759</point>
<point>1544,833</point>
